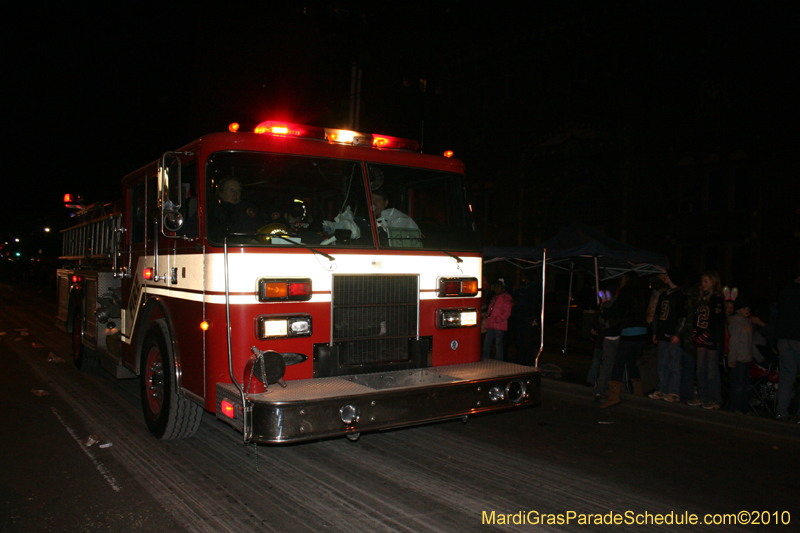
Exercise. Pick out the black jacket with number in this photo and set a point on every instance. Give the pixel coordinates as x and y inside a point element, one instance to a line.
<point>670,314</point>
<point>708,326</point>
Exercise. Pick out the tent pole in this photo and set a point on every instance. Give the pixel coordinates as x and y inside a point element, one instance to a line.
<point>541,318</point>
<point>596,282</point>
<point>569,300</point>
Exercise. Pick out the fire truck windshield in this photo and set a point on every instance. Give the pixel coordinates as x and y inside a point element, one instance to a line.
<point>261,199</point>
<point>420,208</point>
<point>276,199</point>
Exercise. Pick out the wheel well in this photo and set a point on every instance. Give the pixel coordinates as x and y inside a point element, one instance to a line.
<point>153,311</point>
<point>75,299</point>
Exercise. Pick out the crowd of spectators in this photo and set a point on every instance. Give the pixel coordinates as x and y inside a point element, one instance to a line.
<point>706,337</point>
<point>707,345</point>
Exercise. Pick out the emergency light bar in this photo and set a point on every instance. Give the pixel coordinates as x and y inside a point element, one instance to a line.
<point>348,137</point>
<point>72,201</point>
<point>387,141</point>
<point>288,129</point>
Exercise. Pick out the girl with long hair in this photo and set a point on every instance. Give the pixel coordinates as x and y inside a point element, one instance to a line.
<point>708,333</point>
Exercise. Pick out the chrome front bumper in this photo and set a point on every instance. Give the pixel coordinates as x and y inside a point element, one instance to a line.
<point>327,407</point>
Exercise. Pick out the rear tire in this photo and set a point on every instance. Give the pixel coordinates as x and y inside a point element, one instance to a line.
<point>168,414</point>
<point>85,359</point>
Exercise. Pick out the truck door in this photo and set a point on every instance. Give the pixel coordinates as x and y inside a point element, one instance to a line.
<point>141,215</point>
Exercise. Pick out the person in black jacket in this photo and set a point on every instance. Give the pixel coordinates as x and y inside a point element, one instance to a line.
<point>631,308</point>
<point>708,333</point>
<point>669,323</point>
<point>231,214</point>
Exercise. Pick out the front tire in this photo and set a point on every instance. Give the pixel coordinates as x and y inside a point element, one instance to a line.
<point>168,414</point>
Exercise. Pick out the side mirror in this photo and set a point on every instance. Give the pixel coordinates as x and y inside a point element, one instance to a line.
<point>173,220</point>
<point>169,199</point>
<point>169,171</point>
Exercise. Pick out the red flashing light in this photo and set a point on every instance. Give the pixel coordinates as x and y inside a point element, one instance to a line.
<point>458,287</point>
<point>148,273</point>
<point>227,409</point>
<point>449,288</point>
<point>396,143</point>
<point>300,289</point>
<point>72,201</point>
<point>76,279</point>
<point>448,153</point>
<point>272,127</point>
<point>233,127</point>
<point>271,290</point>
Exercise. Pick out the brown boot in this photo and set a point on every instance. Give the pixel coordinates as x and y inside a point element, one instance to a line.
<point>614,388</point>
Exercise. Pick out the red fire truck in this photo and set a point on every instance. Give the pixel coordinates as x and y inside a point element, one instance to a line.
<point>300,282</point>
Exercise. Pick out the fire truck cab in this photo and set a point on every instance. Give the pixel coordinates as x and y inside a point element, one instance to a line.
<point>299,282</point>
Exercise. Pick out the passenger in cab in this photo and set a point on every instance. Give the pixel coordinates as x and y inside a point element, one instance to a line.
<point>389,217</point>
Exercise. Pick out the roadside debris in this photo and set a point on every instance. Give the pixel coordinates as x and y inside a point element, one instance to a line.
<point>40,392</point>
<point>91,440</point>
<point>550,370</point>
<point>37,344</point>
<point>53,358</point>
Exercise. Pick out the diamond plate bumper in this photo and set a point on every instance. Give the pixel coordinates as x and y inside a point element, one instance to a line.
<point>312,408</point>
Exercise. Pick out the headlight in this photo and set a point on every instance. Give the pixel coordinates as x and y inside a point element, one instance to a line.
<point>456,318</point>
<point>278,326</point>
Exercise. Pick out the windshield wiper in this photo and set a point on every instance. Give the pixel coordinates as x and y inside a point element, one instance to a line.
<point>454,256</point>
<point>307,247</point>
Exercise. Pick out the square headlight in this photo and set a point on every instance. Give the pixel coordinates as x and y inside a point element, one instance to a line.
<point>280,326</point>
<point>456,318</point>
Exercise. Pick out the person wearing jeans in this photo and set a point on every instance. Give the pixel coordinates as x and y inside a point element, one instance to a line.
<point>708,333</point>
<point>787,330</point>
<point>669,323</point>
<point>497,320</point>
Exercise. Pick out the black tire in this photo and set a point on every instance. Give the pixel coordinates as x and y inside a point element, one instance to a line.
<point>85,359</point>
<point>168,414</point>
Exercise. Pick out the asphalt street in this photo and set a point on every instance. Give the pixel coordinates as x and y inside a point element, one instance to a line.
<point>566,456</point>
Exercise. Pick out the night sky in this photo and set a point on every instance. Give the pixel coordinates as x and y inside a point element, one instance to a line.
<point>97,93</point>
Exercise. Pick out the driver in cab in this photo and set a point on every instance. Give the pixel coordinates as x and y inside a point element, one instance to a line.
<point>232,214</point>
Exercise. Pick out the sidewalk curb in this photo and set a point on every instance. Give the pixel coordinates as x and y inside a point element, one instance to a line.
<point>719,417</point>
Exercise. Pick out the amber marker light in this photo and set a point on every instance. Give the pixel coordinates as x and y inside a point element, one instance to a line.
<point>233,127</point>
<point>204,325</point>
<point>448,153</point>
<point>469,286</point>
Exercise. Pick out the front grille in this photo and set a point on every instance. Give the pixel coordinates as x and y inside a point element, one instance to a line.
<point>373,318</point>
